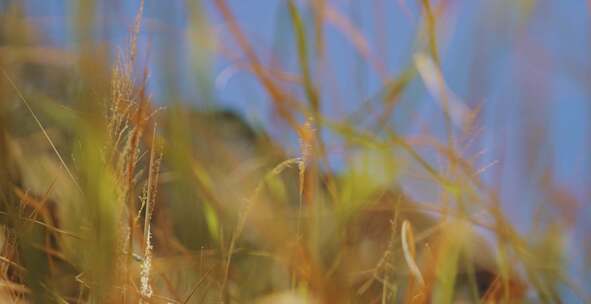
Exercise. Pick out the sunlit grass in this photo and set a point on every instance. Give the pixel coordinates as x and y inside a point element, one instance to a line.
<point>108,198</point>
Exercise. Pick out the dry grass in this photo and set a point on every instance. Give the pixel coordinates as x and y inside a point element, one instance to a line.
<point>107,199</point>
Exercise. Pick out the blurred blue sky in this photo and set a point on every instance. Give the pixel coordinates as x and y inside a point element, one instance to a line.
<point>529,70</point>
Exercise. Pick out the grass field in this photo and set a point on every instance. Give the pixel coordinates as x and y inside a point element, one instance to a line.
<point>114,189</point>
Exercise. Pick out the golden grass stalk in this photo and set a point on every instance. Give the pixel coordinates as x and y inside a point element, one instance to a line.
<point>243,216</point>
<point>408,248</point>
<point>149,202</point>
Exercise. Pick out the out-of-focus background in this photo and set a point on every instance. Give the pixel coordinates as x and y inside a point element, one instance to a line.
<point>517,72</point>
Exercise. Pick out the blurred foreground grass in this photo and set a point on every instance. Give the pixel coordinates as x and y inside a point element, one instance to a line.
<point>107,198</point>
